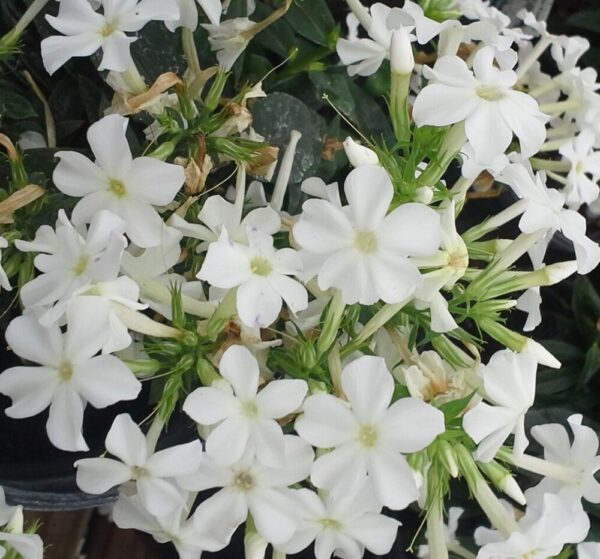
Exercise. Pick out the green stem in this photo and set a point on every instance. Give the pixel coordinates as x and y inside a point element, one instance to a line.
<point>191,52</point>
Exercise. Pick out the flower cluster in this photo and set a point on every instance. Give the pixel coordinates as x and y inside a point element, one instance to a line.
<point>333,359</point>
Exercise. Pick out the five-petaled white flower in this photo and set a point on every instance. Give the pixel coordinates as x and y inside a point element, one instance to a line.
<point>491,110</point>
<point>360,248</point>
<point>368,434</point>
<point>153,472</point>
<point>85,30</point>
<point>260,273</point>
<point>244,420</point>
<point>250,487</point>
<point>70,375</point>
<point>509,384</point>
<point>345,526</point>
<point>117,182</point>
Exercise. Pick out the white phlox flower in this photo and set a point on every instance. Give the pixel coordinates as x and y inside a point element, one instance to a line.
<point>343,527</point>
<point>188,13</point>
<point>244,418</point>
<point>361,249</point>
<point>545,212</point>
<point>154,473</point>
<point>127,187</point>
<point>260,273</point>
<point>28,546</point>
<point>509,386</point>
<point>367,434</point>
<point>484,99</point>
<point>84,30</point>
<point>229,39</point>
<point>71,260</point>
<point>70,374</point>
<point>250,487</point>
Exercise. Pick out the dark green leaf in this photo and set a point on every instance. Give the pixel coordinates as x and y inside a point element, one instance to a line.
<point>454,408</point>
<point>14,105</point>
<point>312,20</point>
<point>586,19</point>
<point>591,365</point>
<point>586,307</point>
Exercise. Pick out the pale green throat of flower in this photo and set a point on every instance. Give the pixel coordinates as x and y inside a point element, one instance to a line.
<point>365,241</point>
<point>65,372</point>
<point>367,436</point>
<point>260,266</point>
<point>117,188</point>
<point>489,92</point>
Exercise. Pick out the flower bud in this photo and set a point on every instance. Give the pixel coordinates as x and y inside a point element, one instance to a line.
<point>401,53</point>
<point>424,195</point>
<point>359,155</point>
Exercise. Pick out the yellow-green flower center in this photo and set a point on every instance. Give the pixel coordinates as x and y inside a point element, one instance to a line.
<point>243,481</point>
<point>137,472</point>
<point>365,241</point>
<point>250,409</point>
<point>330,524</point>
<point>108,29</point>
<point>117,188</point>
<point>367,436</point>
<point>81,265</point>
<point>260,266</point>
<point>65,372</point>
<point>489,92</point>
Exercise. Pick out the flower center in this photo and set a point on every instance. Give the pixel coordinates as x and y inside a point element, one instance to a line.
<point>117,188</point>
<point>137,472</point>
<point>260,266</point>
<point>108,29</point>
<point>81,265</point>
<point>458,259</point>
<point>365,241</point>
<point>243,481</point>
<point>330,524</point>
<point>367,436</point>
<point>65,372</point>
<point>249,409</point>
<point>489,92</point>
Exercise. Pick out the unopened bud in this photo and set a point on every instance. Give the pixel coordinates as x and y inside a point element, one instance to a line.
<point>359,155</point>
<point>424,195</point>
<point>401,53</point>
<point>543,356</point>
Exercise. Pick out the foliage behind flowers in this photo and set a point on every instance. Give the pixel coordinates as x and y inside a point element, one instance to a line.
<point>342,347</point>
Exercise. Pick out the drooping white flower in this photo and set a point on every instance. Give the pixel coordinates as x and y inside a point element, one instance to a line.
<point>250,487</point>
<point>84,30</point>
<point>188,13</point>
<point>543,531</point>
<point>69,376</point>
<point>229,39</point>
<point>581,456</point>
<point>485,100</point>
<point>4,282</point>
<point>345,526</point>
<point>580,188</point>
<point>153,472</point>
<point>545,212</point>
<point>259,272</point>
<point>509,385</point>
<point>244,418</point>
<point>129,512</point>
<point>360,248</point>
<point>71,261</point>
<point>368,435</point>
<point>117,182</point>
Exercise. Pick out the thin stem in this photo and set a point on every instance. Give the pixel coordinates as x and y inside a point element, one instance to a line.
<point>191,52</point>
<point>559,107</point>
<point>436,537</point>
<point>30,14</point>
<point>50,127</point>
<point>553,145</point>
<point>549,165</point>
<point>535,53</point>
<point>361,13</point>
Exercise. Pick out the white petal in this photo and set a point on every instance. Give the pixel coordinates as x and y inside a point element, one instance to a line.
<point>28,546</point>
<point>208,406</point>
<point>175,461</point>
<point>529,128</point>
<point>369,387</point>
<point>240,368</point>
<point>221,514</point>
<point>281,397</point>
<point>76,175</point>
<point>66,419</point>
<point>323,227</point>
<point>109,144</point>
<point>340,470</point>
<point>116,53</point>
<point>154,181</point>
<point>327,421</point>
<point>441,105</point>
<point>377,532</point>
<point>267,438</point>
<point>105,380</point>
<point>226,264</point>
<point>274,514</point>
<point>369,192</point>
<point>212,9</point>
<point>159,496</point>
<point>258,304</point>
<point>31,341</point>
<point>86,330</point>
<point>30,388</point>
<point>291,291</point>
<point>98,475</point>
<point>345,271</point>
<point>411,425</point>
<point>398,231</point>
<point>57,50</point>
<point>228,441</point>
<point>126,441</point>
<point>393,480</point>
<point>144,224</point>
<point>90,205</point>
<point>488,132</point>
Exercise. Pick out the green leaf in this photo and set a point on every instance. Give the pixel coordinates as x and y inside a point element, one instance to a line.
<point>454,408</point>
<point>586,307</point>
<point>14,105</point>
<point>312,20</point>
<point>277,115</point>
<point>591,366</point>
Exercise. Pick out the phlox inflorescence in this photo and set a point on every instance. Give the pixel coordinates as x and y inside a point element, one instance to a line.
<point>331,358</point>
